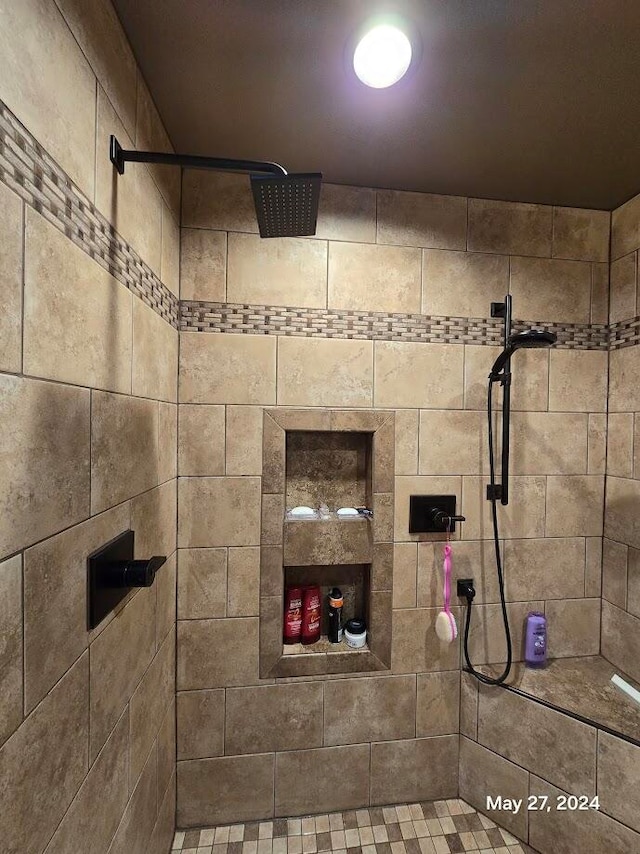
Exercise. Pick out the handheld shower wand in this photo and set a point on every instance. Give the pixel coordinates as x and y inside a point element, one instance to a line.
<point>501,372</point>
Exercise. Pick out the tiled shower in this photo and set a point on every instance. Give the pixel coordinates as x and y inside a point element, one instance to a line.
<point>161,366</point>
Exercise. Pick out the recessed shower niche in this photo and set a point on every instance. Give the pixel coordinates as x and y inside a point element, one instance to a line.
<point>341,458</point>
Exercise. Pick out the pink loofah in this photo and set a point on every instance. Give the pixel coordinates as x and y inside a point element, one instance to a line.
<point>446,627</point>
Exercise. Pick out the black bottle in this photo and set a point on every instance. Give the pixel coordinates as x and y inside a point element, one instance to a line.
<point>335,615</point>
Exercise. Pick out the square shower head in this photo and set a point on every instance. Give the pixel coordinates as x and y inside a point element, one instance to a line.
<point>286,205</point>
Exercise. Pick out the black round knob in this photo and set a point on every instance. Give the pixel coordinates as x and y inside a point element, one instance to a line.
<point>439,517</point>
<point>139,573</point>
<point>134,573</point>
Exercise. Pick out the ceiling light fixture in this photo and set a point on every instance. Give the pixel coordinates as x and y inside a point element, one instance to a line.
<point>382,56</point>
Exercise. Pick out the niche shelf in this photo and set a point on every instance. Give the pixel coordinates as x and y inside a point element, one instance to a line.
<point>327,542</point>
<point>354,581</point>
<point>342,458</point>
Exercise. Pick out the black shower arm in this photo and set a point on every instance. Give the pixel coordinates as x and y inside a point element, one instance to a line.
<point>119,156</point>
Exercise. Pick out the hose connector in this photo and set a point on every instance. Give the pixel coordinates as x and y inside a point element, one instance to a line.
<point>466,590</point>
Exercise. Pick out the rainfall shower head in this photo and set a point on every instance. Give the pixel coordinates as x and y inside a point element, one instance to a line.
<point>531,338</point>
<point>286,205</point>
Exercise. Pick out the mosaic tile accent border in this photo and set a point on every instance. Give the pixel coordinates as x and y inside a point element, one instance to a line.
<point>624,333</point>
<point>431,827</point>
<point>323,323</point>
<point>27,169</point>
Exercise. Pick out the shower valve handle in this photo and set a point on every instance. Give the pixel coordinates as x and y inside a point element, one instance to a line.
<point>445,519</point>
<point>134,573</point>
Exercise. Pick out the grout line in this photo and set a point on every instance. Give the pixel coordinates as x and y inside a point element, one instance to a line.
<point>634,474</point>
<point>324,716</point>
<point>606,458</point>
<point>422,294</point>
<point>86,519</point>
<point>71,385</point>
<point>96,136</point>
<point>637,297</point>
<point>548,361</point>
<point>277,371</point>
<point>226,579</point>
<point>91,395</point>
<point>224,720</point>
<point>595,761</point>
<point>136,90</point>
<point>326,285</point>
<point>466,236</point>
<point>23,665</point>
<point>133,354</point>
<point>226,264</point>
<point>275,781</point>
<point>23,287</point>
<point>373,373</point>
<point>584,573</point>
<point>375,202</point>
<point>225,449</point>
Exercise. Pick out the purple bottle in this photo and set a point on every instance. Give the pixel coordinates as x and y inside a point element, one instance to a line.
<point>535,644</point>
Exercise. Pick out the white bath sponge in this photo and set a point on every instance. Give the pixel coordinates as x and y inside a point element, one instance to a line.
<point>446,627</point>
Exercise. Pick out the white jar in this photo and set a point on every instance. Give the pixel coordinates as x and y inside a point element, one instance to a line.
<point>355,633</point>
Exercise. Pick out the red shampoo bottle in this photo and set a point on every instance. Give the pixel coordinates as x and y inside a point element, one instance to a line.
<point>292,615</point>
<point>311,614</point>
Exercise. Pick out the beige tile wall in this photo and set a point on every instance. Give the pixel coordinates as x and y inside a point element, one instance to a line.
<point>512,746</point>
<point>88,416</point>
<point>498,753</point>
<point>89,391</point>
<point>393,252</point>
<point>621,553</point>
<point>613,827</point>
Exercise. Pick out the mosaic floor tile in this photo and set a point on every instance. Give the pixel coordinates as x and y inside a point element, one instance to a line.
<point>430,827</point>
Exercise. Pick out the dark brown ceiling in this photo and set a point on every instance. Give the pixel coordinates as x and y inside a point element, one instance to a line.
<point>529,100</point>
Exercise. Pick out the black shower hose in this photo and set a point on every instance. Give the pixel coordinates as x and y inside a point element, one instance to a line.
<point>488,680</point>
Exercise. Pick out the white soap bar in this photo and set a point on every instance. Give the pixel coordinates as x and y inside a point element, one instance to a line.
<point>347,511</point>
<point>303,511</point>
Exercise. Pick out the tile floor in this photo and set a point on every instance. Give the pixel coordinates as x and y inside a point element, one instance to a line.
<point>434,827</point>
